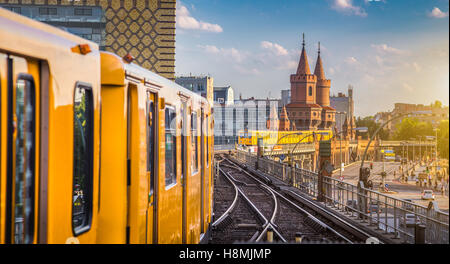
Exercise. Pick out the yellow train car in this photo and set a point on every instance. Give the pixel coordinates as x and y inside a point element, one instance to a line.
<point>94,149</point>
<point>169,201</point>
<point>50,133</point>
<point>270,138</point>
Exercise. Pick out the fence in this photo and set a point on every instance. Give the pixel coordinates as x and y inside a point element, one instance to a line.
<point>388,214</point>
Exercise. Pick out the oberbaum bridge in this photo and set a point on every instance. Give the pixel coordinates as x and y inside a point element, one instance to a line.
<point>310,111</point>
<point>344,150</point>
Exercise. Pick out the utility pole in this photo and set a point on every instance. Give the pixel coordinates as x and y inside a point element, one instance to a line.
<point>420,151</point>
<point>407,158</point>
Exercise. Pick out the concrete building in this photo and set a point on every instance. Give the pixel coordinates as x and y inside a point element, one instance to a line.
<point>437,113</point>
<point>143,28</point>
<point>203,85</point>
<point>310,108</point>
<point>243,114</point>
<point>285,97</point>
<point>223,95</point>
<point>343,103</point>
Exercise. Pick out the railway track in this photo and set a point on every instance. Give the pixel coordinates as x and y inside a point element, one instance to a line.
<point>235,221</point>
<point>272,211</point>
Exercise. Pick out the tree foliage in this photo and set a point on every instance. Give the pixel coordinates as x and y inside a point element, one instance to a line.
<point>443,139</point>
<point>412,128</point>
<point>372,127</point>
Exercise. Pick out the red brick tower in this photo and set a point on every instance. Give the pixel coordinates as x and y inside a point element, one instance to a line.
<point>303,111</point>
<point>323,95</point>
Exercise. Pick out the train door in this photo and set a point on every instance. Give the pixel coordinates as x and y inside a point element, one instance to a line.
<point>183,168</point>
<point>152,149</point>
<point>202,172</point>
<point>22,156</point>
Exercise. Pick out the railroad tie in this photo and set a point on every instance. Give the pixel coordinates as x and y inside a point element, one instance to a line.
<point>225,223</point>
<point>314,224</point>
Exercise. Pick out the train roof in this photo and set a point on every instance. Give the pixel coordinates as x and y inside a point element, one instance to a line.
<point>23,35</point>
<point>115,70</point>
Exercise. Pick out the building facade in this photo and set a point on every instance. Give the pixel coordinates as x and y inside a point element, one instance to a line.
<point>309,108</point>
<point>143,28</point>
<point>344,103</point>
<point>285,97</point>
<point>437,113</point>
<point>223,95</point>
<point>203,85</point>
<point>244,114</point>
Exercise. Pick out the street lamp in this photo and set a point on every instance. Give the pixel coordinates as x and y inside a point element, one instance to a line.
<point>340,144</point>
<point>415,113</point>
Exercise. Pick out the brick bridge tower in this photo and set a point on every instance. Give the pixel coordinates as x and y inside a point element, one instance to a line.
<point>303,111</point>
<point>323,86</point>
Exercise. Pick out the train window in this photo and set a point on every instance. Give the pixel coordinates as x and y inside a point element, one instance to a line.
<point>194,140</point>
<point>183,142</point>
<point>150,140</point>
<point>82,159</point>
<point>24,162</point>
<point>171,145</point>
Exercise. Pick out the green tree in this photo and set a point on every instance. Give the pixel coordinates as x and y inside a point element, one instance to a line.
<point>437,104</point>
<point>411,128</point>
<point>372,126</point>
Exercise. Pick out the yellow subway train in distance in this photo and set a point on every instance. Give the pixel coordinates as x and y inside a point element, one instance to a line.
<point>95,149</point>
<point>270,138</point>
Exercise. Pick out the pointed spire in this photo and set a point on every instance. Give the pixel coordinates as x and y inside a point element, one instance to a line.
<point>303,43</point>
<point>303,66</point>
<point>284,123</point>
<point>318,71</point>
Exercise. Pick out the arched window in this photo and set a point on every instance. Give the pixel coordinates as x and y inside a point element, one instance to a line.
<point>310,91</point>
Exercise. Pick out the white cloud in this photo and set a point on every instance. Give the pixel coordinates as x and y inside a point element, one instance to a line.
<point>384,49</point>
<point>184,20</point>
<point>274,47</point>
<point>351,60</point>
<point>245,70</point>
<point>379,60</point>
<point>290,65</point>
<point>407,87</point>
<point>331,70</point>
<point>210,48</point>
<point>417,67</point>
<point>437,13</point>
<point>346,6</point>
<point>230,53</point>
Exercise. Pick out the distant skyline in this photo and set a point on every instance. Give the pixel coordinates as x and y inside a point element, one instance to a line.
<point>389,51</point>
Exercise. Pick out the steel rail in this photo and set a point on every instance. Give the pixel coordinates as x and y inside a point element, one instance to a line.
<point>334,215</point>
<point>249,202</point>
<point>267,223</point>
<point>228,211</point>
<point>299,208</point>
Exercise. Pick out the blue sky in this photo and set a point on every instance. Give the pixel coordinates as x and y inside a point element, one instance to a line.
<point>388,50</point>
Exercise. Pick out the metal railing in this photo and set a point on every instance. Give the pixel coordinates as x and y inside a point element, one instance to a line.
<point>389,215</point>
